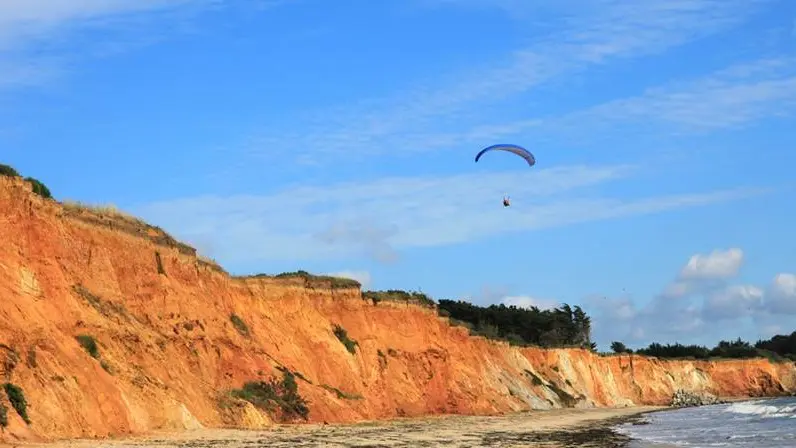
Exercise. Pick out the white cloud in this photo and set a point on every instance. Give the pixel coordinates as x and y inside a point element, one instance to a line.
<point>719,264</point>
<point>781,296</point>
<point>590,34</point>
<point>362,277</point>
<point>678,289</point>
<point>705,301</point>
<point>704,272</point>
<point>528,302</point>
<point>733,302</point>
<point>378,218</point>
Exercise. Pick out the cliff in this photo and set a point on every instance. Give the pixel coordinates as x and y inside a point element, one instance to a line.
<point>171,335</point>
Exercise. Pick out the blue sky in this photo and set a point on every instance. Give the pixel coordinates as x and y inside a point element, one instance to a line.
<point>339,137</point>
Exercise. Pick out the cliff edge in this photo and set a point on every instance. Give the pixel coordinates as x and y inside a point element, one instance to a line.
<point>108,326</point>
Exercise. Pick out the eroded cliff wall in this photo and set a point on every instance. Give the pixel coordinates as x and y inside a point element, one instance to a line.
<point>168,351</point>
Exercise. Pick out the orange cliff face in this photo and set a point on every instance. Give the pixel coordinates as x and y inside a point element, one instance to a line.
<point>168,352</point>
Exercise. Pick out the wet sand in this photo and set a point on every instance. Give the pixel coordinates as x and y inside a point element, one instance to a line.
<point>545,429</point>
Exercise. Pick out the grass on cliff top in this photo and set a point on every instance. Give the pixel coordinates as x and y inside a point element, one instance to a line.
<point>397,295</point>
<point>313,280</point>
<point>110,215</point>
<point>106,210</point>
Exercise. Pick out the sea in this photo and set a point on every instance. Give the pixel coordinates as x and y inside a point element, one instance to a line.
<point>764,423</point>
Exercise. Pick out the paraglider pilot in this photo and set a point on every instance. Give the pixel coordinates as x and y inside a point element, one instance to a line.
<point>515,149</point>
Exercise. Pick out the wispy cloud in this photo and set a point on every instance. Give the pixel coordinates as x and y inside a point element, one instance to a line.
<point>30,31</point>
<point>381,217</point>
<point>596,32</point>
<point>729,98</point>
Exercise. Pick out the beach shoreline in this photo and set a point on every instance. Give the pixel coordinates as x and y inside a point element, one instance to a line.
<point>556,428</point>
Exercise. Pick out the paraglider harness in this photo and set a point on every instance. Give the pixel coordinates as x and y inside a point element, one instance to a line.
<point>506,202</point>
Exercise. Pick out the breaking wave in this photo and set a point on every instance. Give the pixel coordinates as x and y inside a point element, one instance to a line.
<point>760,408</point>
<point>764,423</point>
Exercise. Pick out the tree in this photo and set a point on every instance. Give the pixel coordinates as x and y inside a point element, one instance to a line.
<point>619,347</point>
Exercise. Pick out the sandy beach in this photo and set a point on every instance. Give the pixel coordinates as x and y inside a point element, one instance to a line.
<point>549,429</point>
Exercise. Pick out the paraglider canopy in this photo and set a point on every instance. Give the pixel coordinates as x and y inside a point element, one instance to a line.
<point>515,149</point>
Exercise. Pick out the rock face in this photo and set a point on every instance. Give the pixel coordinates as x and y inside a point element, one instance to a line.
<point>109,327</point>
<point>685,399</point>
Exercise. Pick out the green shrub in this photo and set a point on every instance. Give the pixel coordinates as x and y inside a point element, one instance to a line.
<point>8,171</point>
<point>239,325</point>
<point>39,188</point>
<point>619,347</point>
<point>274,394</point>
<point>89,344</point>
<point>17,399</point>
<point>342,335</point>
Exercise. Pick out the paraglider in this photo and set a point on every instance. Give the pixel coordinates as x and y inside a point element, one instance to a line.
<point>514,149</point>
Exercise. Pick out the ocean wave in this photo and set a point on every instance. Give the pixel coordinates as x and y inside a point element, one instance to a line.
<point>762,410</point>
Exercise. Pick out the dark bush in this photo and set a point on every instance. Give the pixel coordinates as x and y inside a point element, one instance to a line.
<point>342,335</point>
<point>17,399</point>
<point>274,395</point>
<point>89,344</point>
<point>239,325</point>
<point>619,347</point>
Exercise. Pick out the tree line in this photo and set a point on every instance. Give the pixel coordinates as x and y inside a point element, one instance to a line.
<point>570,326</point>
<point>563,326</point>
<point>777,347</point>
